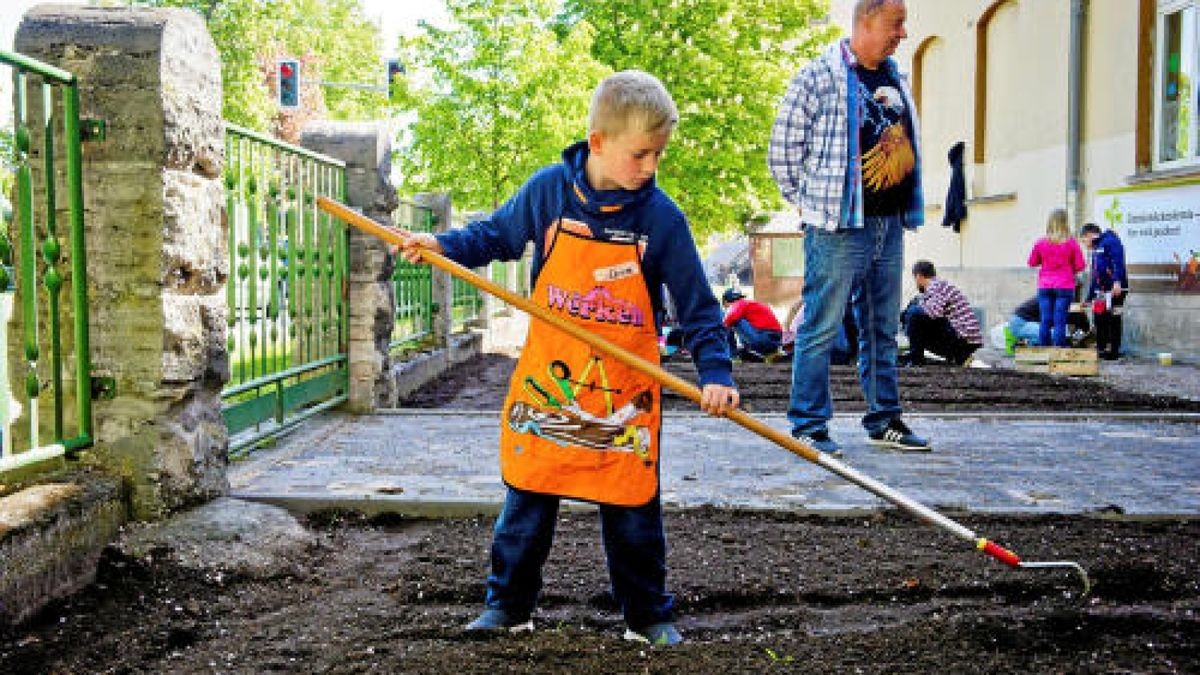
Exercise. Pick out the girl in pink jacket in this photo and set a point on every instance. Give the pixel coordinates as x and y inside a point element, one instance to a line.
<point>1058,258</point>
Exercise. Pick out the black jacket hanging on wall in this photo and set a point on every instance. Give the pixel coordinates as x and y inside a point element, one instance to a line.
<point>956,196</point>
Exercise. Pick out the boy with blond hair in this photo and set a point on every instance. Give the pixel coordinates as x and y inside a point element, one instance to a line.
<point>575,424</point>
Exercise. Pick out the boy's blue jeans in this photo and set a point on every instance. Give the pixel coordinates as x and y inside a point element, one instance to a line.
<point>634,545</point>
<point>1054,304</point>
<point>743,336</point>
<point>870,263</point>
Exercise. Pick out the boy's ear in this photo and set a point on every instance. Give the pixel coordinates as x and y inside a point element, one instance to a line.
<point>595,141</point>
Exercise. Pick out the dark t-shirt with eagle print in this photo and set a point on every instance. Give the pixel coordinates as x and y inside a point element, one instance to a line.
<point>888,159</point>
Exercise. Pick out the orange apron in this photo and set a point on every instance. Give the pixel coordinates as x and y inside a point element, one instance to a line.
<point>577,423</point>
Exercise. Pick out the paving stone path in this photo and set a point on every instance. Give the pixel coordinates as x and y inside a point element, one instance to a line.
<point>443,462</point>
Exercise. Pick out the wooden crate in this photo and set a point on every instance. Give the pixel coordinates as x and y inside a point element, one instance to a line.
<point>1057,360</point>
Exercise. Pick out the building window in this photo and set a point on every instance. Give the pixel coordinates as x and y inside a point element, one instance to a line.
<point>918,74</point>
<point>999,83</point>
<point>1177,65</point>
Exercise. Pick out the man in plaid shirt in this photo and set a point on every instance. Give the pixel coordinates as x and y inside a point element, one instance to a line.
<point>941,320</point>
<point>844,152</point>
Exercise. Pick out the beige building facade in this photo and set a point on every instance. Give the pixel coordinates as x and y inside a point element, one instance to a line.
<point>1088,105</point>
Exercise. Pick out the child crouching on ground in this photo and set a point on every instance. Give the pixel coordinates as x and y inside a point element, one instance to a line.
<point>577,424</point>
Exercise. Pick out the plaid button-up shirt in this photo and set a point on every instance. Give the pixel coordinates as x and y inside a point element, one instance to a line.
<point>814,153</point>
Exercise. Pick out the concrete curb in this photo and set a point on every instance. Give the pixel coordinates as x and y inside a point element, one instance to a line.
<point>373,505</point>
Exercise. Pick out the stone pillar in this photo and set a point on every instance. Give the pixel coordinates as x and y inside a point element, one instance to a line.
<point>367,151</point>
<point>155,241</point>
<point>443,286</point>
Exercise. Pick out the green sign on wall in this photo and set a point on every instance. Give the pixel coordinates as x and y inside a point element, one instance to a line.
<point>787,257</point>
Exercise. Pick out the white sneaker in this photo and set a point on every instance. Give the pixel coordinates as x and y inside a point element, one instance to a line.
<point>976,363</point>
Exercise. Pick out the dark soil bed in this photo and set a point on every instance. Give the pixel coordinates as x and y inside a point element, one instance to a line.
<point>756,593</point>
<point>482,382</point>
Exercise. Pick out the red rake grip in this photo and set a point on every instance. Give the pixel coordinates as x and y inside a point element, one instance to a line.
<point>999,553</point>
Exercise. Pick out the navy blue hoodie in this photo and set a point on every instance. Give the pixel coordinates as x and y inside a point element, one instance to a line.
<point>671,259</point>
<point>1108,264</point>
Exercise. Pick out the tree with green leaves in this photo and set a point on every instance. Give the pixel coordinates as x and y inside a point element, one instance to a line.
<point>332,35</point>
<point>727,63</point>
<point>494,96</point>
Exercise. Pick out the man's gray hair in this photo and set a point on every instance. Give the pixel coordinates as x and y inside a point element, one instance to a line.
<point>865,8</point>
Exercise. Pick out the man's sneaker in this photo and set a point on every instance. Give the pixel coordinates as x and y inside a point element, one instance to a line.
<point>655,634</point>
<point>500,620</point>
<point>897,435</point>
<point>820,440</point>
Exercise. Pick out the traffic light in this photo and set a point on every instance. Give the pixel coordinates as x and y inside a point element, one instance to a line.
<point>394,70</point>
<point>288,72</point>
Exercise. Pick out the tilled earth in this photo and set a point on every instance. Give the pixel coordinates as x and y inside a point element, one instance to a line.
<point>482,382</point>
<point>756,592</point>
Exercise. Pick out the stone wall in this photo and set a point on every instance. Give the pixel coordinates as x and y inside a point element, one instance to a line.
<point>155,241</point>
<point>51,537</point>
<point>366,149</point>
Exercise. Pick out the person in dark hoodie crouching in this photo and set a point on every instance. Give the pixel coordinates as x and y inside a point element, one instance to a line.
<point>1108,288</point>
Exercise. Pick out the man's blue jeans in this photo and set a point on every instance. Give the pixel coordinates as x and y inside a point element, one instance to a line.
<point>634,545</point>
<point>867,264</point>
<point>1054,304</point>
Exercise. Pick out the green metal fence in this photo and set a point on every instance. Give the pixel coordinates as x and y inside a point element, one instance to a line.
<point>49,293</point>
<point>521,283</point>
<point>413,283</point>
<point>288,318</point>
<point>498,273</point>
<point>513,276</point>
<point>467,306</point>
<point>510,275</point>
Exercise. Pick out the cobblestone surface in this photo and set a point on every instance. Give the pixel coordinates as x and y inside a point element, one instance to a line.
<point>445,461</point>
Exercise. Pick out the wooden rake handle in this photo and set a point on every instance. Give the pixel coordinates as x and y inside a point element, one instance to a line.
<point>634,361</point>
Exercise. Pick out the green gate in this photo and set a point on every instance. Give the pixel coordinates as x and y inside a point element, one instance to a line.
<point>52,367</point>
<point>413,283</point>
<point>288,262</point>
